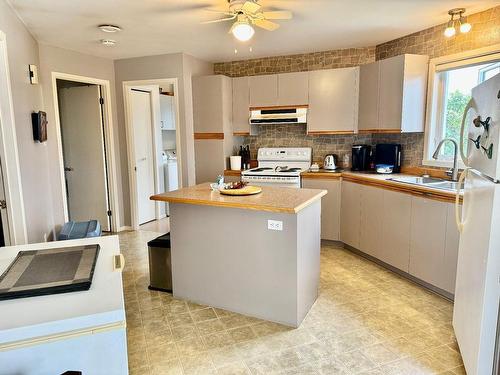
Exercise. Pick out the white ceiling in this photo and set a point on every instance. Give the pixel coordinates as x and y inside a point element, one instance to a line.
<point>152,27</point>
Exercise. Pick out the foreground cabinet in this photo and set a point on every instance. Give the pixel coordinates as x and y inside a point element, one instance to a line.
<point>330,205</point>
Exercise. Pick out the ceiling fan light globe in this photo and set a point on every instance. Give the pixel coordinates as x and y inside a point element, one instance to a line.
<point>243,31</point>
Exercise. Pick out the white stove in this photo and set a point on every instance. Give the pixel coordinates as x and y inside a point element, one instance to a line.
<point>279,167</point>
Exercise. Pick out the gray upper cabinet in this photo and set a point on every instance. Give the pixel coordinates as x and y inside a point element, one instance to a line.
<point>263,90</point>
<point>212,107</point>
<point>368,96</point>
<point>333,101</point>
<point>393,94</point>
<point>293,89</point>
<point>241,104</point>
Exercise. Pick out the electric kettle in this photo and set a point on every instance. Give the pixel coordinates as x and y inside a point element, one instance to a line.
<point>330,162</point>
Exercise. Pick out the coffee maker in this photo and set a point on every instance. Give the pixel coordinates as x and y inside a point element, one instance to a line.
<point>361,157</point>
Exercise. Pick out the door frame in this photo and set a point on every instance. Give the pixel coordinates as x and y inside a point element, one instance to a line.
<point>108,138</point>
<point>11,168</point>
<point>149,84</point>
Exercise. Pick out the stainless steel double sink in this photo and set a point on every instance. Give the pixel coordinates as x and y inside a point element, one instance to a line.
<point>430,182</point>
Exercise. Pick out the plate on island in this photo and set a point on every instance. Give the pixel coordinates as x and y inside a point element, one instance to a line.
<point>247,190</point>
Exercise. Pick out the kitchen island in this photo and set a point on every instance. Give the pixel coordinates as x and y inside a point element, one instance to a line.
<point>256,255</point>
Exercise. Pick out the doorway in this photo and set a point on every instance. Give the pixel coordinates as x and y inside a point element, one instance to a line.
<point>142,124</point>
<point>4,220</point>
<point>86,156</point>
<point>12,212</point>
<point>153,145</point>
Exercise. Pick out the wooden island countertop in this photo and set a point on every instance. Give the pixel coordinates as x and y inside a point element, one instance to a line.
<point>272,199</point>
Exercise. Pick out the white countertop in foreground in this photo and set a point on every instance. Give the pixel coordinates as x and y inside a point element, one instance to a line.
<point>45,316</point>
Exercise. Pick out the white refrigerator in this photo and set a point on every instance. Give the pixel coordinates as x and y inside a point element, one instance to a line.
<point>477,294</point>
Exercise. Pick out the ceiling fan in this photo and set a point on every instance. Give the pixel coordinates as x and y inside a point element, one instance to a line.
<point>247,13</point>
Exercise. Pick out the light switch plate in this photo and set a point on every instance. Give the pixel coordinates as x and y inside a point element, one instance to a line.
<point>275,225</point>
<point>33,71</point>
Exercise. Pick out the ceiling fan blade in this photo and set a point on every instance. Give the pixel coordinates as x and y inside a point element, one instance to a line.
<point>219,20</point>
<point>250,7</point>
<point>219,12</point>
<point>265,24</point>
<point>278,15</point>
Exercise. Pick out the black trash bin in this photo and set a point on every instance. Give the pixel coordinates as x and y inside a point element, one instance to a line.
<point>160,264</point>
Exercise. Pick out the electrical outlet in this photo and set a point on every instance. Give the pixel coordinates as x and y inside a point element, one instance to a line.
<point>274,225</point>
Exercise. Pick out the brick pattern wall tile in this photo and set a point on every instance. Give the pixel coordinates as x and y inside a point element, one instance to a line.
<point>342,58</point>
<point>485,32</point>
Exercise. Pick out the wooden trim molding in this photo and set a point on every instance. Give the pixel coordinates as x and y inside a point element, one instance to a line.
<point>241,133</point>
<point>199,136</point>
<point>230,172</point>
<point>420,191</point>
<point>279,107</point>
<point>329,132</point>
<point>321,175</point>
<point>380,131</point>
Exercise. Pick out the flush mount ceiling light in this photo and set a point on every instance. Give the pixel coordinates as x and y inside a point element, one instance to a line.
<point>457,15</point>
<point>242,30</point>
<point>108,42</point>
<point>109,28</point>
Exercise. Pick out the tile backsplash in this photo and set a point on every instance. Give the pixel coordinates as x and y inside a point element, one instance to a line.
<point>296,136</point>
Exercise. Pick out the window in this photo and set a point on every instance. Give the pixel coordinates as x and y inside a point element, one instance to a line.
<point>451,81</point>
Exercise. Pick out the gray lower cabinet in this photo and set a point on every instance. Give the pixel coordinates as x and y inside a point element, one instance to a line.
<point>414,234</point>
<point>350,213</point>
<point>433,243</point>
<point>395,234</point>
<point>330,206</point>
<point>372,205</point>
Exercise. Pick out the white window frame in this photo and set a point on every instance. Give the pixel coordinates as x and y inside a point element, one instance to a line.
<point>435,104</point>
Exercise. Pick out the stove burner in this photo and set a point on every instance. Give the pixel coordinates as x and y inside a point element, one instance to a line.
<point>288,170</point>
<point>261,169</point>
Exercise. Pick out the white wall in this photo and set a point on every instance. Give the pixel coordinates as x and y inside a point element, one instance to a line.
<point>54,59</point>
<point>34,158</point>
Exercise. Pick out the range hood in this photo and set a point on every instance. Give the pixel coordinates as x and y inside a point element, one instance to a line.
<point>278,115</point>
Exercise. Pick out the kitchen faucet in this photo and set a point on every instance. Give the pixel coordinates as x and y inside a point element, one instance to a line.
<point>453,172</point>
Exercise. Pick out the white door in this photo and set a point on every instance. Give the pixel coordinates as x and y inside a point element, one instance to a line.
<point>477,290</point>
<point>4,221</point>
<point>142,124</point>
<point>84,154</point>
